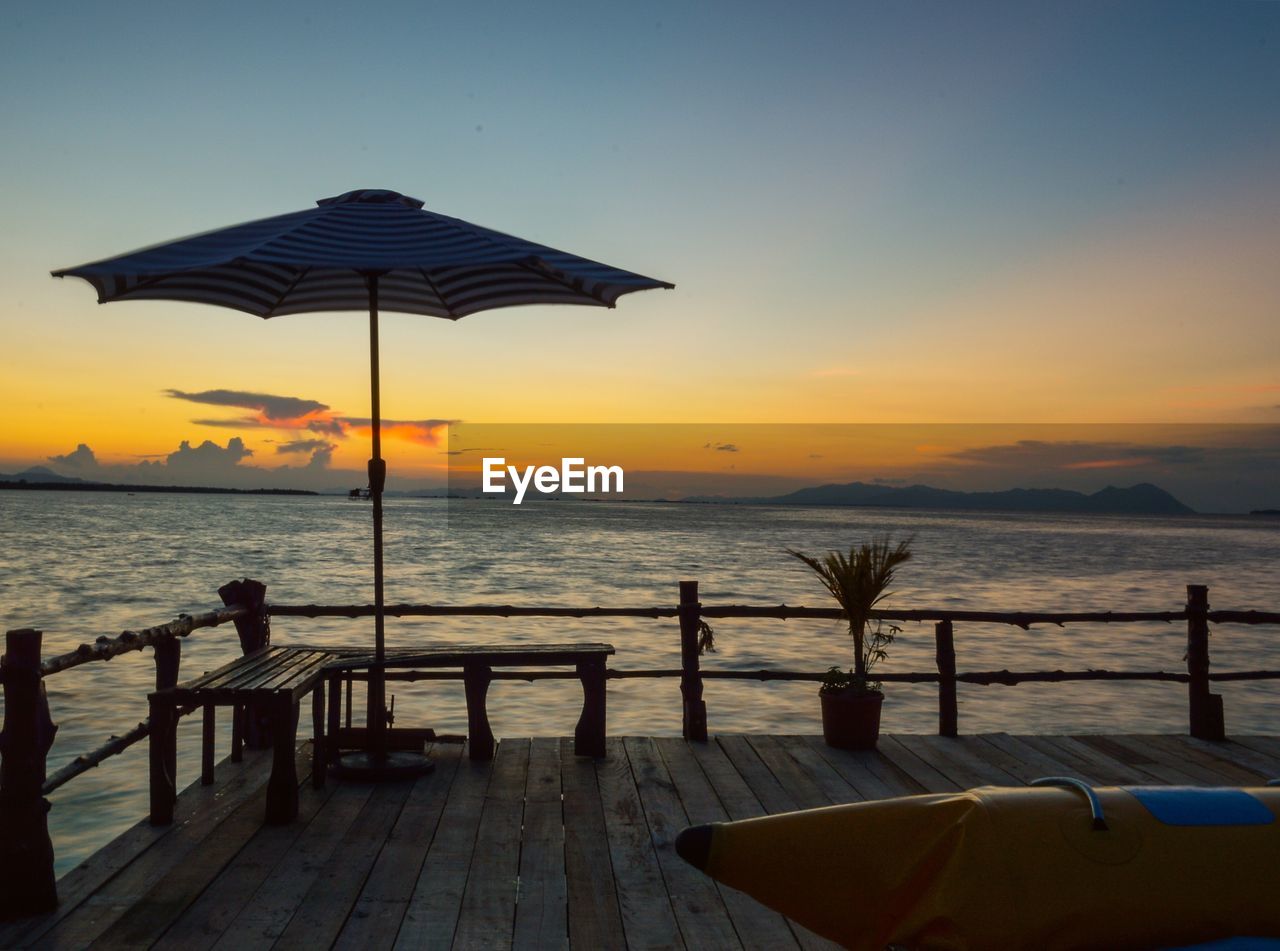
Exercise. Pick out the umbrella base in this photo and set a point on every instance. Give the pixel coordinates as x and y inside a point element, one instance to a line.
<point>369,767</point>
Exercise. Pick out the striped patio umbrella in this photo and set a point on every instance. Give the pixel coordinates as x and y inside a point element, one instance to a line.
<point>368,249</point>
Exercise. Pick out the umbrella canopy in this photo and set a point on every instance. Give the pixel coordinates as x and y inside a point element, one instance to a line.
<point>373,249</point>
<point>319,259</point>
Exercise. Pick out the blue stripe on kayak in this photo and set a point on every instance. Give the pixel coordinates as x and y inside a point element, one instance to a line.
<point>1197,806</point>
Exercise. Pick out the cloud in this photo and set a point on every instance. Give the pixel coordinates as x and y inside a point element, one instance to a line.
<point>81,458</point>
<point>272,407</point>
<point>424,432</point>
<point>270,411</point>
<point>721,447</point>
<point>1078,455</point>
<point>291,413</point>
<point>206,458</point>
<point>304,445</point>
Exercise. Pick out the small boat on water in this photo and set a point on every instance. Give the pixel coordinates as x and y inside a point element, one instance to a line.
<point>1056,865</point>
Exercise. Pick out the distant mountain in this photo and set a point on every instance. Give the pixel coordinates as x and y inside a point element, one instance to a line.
<point>40,474</point>
<point>1143,499</point>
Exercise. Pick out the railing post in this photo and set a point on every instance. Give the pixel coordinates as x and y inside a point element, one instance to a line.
<point>168,658</point>
<point>695,708</point>
<point>1207,721</point>
<point>255,633</point>
<point>948,711</point>
<point>27,884</point>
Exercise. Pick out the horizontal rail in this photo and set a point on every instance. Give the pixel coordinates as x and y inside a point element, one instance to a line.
<point>1023,619</point>
<point>87,761</point>
<point>983,677</point>
<point>113,747</point>
<point>460,610</point>
<point>1243,617</point>
<point>105,648</point>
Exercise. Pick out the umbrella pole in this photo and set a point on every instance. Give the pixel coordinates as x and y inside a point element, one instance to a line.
<point>376,717</point>
<point>376,763</point>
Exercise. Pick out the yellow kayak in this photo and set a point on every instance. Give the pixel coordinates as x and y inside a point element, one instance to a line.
<point>1045,867</point>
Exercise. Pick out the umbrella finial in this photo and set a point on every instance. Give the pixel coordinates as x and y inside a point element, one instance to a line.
<point>372,196</point>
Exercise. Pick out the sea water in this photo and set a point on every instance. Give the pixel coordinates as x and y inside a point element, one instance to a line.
<point>80,564</point>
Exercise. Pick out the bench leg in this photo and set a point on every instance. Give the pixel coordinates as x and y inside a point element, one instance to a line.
<point>163,754</point>
<point>282,787</point>
<point>207,745</point>
<point>319,759</point>
<point>237,732</point>
<point>476,678</point>
<point>335,715</point>
<point>588,738</point>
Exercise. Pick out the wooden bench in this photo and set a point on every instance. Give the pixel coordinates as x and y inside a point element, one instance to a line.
<point>271,680</point>
<point>274,680</point>
<point>477,663</point>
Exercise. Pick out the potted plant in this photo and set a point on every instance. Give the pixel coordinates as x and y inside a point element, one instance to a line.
<point>859,581</point>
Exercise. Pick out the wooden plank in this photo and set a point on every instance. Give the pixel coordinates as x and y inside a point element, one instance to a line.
<point>375,920</point>
<point>256,657</point>
<point>647,917</point>
<point>541,906</point>
<point>809,777</point>
<point>108,903</point>
<point>1026,761</point>
<point>763,788</point>
<point>758,928</point>
<point>698,907</point>
<point>249,667</point>
<point>1267,745</point>
<point>929,778</point>
<point>432,914</point>
<point>764,785</point>
<point>594,919</point>
<point>327,903</point>
<point>270,679</point>
<point>1205,768</point>
<point>870,774</point>
<point>952,758</point>
<point>268,913</point>
<point>487,916</point>
<point>1265,766</point>
<point>100,867</point>
<point>734,792</point>
<point>1102,769</point>
<point>154,912</point>
<point>205,921</point>
<point>1141,757</point>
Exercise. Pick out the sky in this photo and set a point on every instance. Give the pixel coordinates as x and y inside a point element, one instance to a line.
<point>874,213</point>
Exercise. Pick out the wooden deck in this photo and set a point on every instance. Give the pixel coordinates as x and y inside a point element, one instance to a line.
<point>538,848</point>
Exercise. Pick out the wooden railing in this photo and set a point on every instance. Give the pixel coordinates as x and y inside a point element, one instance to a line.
<point>26,856</point>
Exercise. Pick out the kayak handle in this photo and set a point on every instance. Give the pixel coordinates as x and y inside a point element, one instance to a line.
<point>1067,782</point>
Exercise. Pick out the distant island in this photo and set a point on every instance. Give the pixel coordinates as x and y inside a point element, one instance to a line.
<point>1142,499</point>
<point>40,478</point>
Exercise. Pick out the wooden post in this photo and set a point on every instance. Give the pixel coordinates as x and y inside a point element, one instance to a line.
<point>945,648</point>
<point>319,744</point>
<point>335,711</point>
<point>282,786</point>
<point>207,739</point>
<point>695,708</point>
<point>255,633</point>
<point>27,884</point>
<point>1206,715</point>
<point>588,737</point>
<point>168,658</point>
<point>476,676</point>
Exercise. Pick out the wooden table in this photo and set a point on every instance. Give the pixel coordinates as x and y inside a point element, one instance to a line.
<point>477,663</point>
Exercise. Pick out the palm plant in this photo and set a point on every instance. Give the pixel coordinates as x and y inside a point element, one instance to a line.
<point>859,581</point>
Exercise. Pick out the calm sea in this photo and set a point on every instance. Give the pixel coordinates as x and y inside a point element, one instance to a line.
<point>77,565</point>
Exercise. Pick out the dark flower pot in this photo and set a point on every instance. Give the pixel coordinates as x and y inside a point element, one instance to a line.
<point>851,720</point>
